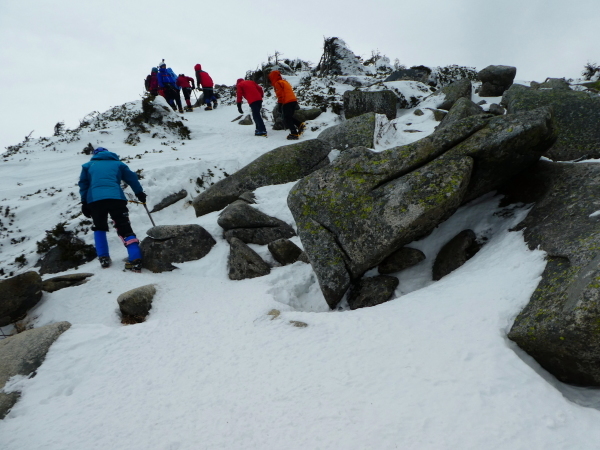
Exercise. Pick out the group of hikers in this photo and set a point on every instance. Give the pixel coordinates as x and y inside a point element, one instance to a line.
<point>100,179</point>
<point>163,81</point>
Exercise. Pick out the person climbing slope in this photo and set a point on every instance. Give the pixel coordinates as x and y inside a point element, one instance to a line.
<point>152,82</point>
<point>288,104</point>
<point>101,195</point>
<point>168,84</point>
<point>253,94</point>
<point>203,79</point>
<point>186,84</point>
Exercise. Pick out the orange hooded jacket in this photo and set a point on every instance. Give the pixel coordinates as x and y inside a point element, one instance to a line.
<point>283,89</point>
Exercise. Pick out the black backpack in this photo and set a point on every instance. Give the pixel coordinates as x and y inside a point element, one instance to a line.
<point>147,82</point>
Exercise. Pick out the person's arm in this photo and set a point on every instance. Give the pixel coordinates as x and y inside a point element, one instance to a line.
<point>84,184</point>
<point>131,179</point>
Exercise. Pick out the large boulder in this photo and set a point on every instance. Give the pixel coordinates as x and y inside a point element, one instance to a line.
<point>495,80</point>
<point>285,251</point>
<point>244,262</point>
<point>168,244</point>
<point>462,108</point>
<point>279,166</point>
<point>401,259</point>
<point>560,326</point>
<point>366,205</point>
<point>448,95</point>
<point>22,354</point>
<point>357,103</point>
<point>577,117</point>
<point>251,226</point>
<point>19,294</point>
<point>356,132</point>
<point>307,114</point>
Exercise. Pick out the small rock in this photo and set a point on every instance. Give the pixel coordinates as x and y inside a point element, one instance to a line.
<point>64,281</point>
<point>274,313</point>
<point>136,303</point>
<point>284,251</point>
<point>418,112</point>
<point>246,120</point>
<point>298,324</point>
<point>455,253</point>
<point>245,262</point>
<point>372,291</point>
<point>496,109</point>
<point>170,200</point>
<point>401,259</point>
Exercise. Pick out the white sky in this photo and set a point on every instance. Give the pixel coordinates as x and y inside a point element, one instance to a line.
<point>62,59</point>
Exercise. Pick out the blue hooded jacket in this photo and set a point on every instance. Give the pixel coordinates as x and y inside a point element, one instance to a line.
<point>164,78</point>
<point>101,178</point>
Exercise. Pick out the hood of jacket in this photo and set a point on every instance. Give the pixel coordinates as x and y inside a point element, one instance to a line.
<point>197,67</point>
<point>105,155</point>
<point>274,76</point>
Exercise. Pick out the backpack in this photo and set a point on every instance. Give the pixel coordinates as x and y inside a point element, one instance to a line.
<point>147,82</point>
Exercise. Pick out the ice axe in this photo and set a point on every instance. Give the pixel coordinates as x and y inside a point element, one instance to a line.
<point>146,207</point>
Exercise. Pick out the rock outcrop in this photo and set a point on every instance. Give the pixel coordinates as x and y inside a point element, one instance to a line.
<point>462,108</point>
<point>495,80</point>
<point>357,103</point>
<point>135,304</point>
<point>285,251</point>
<point>577,118</point>
<point>448,95</point>
<point>356,132</point>
<point>279,166</point>
<point>167,244</point>
<point>560,325</point>
<point>22,354</point>
<point>19,294</point>
<point>365,205</point>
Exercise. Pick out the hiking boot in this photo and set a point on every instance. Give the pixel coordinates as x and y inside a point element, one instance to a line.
<point>134,266</point>
<point>292,137</point>
<point>104,261</point>
<point>181,110</point>
<point>301,128</point>
<point>260,133</point>
<point>208,108</point>
<point>189,109</point>
<point>215,104</point>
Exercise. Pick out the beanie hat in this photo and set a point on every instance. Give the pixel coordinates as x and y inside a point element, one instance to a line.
<point>99,149</point>
<point>155,69</point>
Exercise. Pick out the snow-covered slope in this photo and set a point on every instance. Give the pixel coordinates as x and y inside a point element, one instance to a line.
<point>210,368</point>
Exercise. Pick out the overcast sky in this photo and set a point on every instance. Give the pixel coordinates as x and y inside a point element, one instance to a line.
<point>62,59</point>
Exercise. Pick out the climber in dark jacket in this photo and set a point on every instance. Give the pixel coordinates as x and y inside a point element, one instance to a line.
<point>101,195</point>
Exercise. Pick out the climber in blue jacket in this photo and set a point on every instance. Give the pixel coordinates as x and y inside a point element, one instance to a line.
<point>101,195</point>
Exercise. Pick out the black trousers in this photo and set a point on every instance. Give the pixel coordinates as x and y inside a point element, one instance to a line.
<point>172,93</point>
<point>258,121</point>
<point>118,213</point>
<point>288,117</point>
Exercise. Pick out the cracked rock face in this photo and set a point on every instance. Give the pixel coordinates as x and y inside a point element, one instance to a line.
<point>366,205</point>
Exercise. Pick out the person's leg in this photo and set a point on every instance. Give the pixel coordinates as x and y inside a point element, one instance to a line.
<point>288,117</point>
<point>120,215</point>
<point>260,125</point>
<point>186,96</point>
<point>100,228</point>
<point>169,97</point>
<point>177,97</point>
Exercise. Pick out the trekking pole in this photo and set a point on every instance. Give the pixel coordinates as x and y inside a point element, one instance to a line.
<point>146,207</point>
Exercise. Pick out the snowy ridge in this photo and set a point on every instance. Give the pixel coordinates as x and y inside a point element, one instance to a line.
<point>210,368</point>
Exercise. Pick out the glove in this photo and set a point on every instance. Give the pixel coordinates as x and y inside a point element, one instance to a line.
<point>141,197</point>
<point>239,105</point>
<point>85,209</point>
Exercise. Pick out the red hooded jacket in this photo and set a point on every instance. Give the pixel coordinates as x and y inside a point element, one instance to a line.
<point>203,79</point>
<point>185,82</point>
<point>248,89</point>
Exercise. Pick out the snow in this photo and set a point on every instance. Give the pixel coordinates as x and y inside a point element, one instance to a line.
<point>211,369</point>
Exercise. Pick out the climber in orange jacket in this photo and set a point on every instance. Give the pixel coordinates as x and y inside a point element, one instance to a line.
<point>288,104</point>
